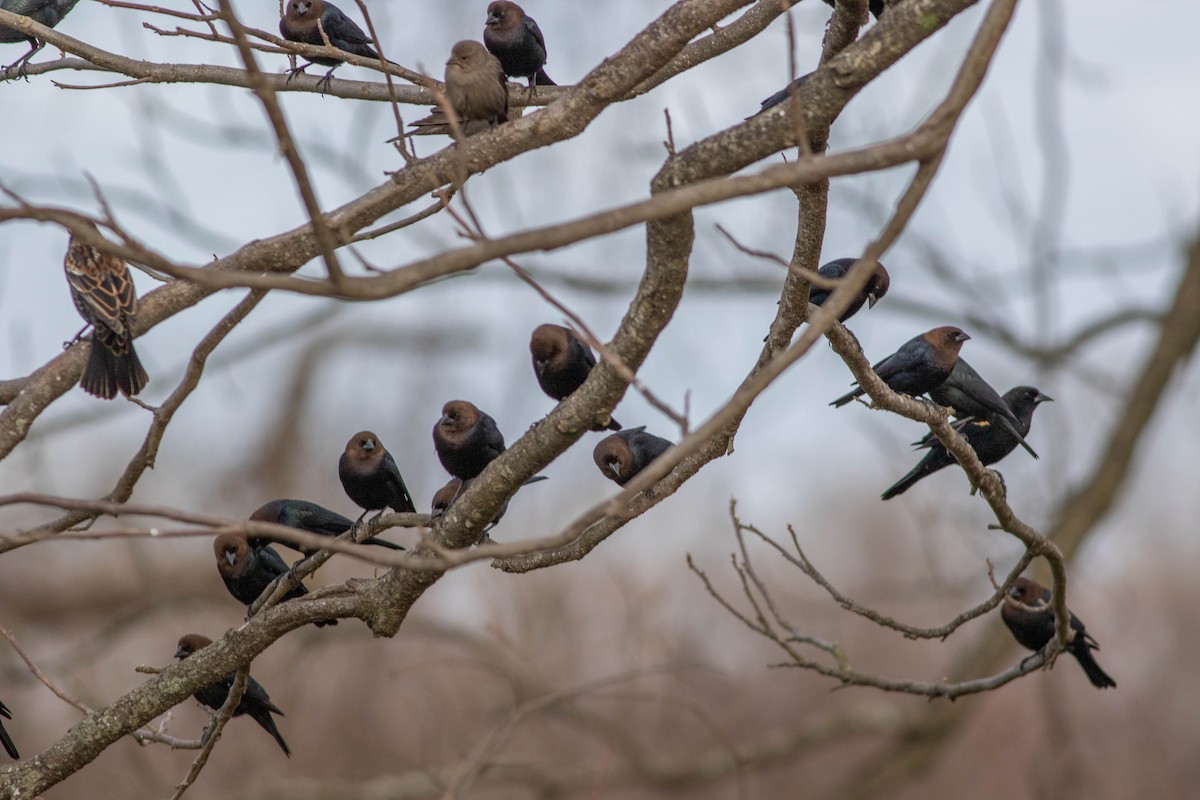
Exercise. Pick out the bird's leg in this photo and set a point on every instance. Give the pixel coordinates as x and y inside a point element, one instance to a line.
<point>76,337</point>
<point>532,88</point>
<point>22,63</point>
<point>377,516</point>
<point>294,71</point>
<point>324,82</point>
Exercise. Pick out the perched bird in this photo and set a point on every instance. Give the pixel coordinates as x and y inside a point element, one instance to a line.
<point>248,571</point>
<point>781,95</point>
<point>562,363</point>
<point>102,289</point>
<point>445,497</point>
<point>305,516</point>
<point>919,365</point>
<point>44,12</point>
<point>466,439</point>
<point>625,454</point>
<point>370,476</point>
<point>876,6</point>
<point>871,294</point>
<point>990,442</point>
<point>475,89</point>
<point>514,38</point>
<point>971,396</point>
<point>255,700</point>
<point>1028,613</point>
<point>5,739</point>
<point>300,24</point>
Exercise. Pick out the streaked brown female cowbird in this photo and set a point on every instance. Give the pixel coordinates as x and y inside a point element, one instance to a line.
<point>300,24</point>
<point>5,739</point>
<point>871,294</point>
<point>255,701</point>
<point>625,454</point>
<point>305,516</point>
<point>44,12</point>
<point>561,363</point>
<point>466,439</point>
<point>515,39</point>
<point>371,478</point>
<point>990,442</point>
<point>919,365</point>
<point>103,291</point>
<point>971,396</point>
<point>876,6</point>
<point>248,571</point>
<point>475,89</point>
<point>1028,613</point>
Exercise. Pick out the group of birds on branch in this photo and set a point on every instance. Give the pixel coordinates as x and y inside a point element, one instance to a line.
<point>476,74</point>
<point>466,439</point>
<point>476,85</point>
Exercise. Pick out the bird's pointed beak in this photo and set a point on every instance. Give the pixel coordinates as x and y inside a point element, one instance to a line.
<point>615,468</point>
<point>181,653</point>
<point>872,299</point>
<point>492,19</point>
<point>368,446</point>
<point>962,336</point>
<point>231,557</point>
<point>1044,398</point>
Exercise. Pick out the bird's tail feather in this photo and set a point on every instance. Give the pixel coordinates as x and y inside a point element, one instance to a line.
<point>1099,678</point>
<point>107,372</point>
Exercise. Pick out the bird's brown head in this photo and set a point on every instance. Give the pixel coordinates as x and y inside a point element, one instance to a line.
<point>548,343</point>
<point>614,458</point>
<point>502,15</point>
<point>878,286</point>
<point>1026,592</point>
<point>305,9</point>
<point>458,417</point>
<point>233,554</point>
<point>445,496</point>
<point>947,338</point>
<point>189,643</point>
<point>364,448</point>
<point>467,55</point>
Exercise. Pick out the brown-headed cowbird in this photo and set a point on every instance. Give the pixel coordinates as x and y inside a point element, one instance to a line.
<point>44,12</point>
<point>561,363</point>
<point>445,497</point>
<point>625,454</point>
<point>990,442</point>
<point>513,37</point>
<point>255,701</point>
<point>876,6</point>
<point>919,365</point>
<point>1029,614</point>
<point>103,291</point>
<point>475,89</point>
<point>5,739</point>
<point>871,294</point>
<point>971,396</point>
<point>305,516</point>
<point>248,571</point>
<point>300,24</point>
<point>466,439</point>
<point>371,478</point>
<point>781,95</point>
